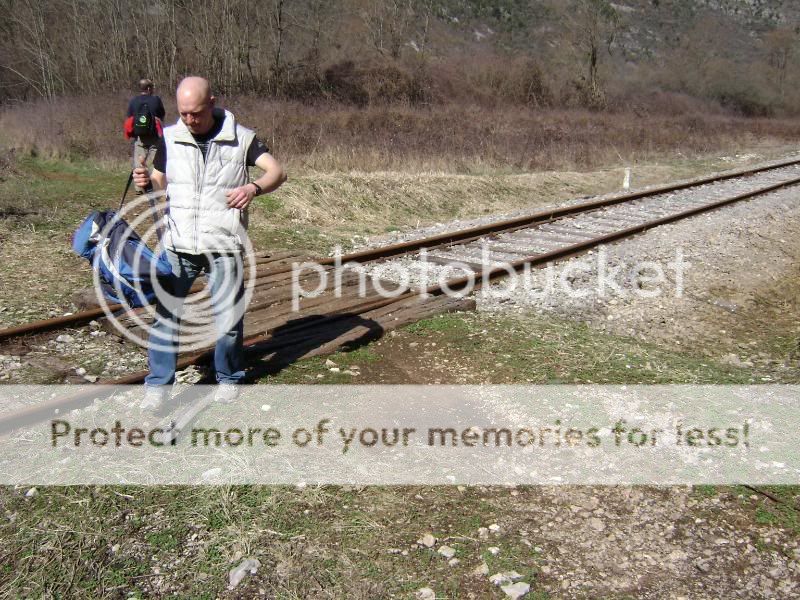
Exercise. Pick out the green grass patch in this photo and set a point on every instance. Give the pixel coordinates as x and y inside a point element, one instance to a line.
<point>453,324</point>
<point>53,195</point>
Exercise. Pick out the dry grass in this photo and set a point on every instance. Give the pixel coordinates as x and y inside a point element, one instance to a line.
<point>461,138</point>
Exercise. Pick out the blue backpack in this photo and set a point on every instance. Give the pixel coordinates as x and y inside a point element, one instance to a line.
<point>111,246</point>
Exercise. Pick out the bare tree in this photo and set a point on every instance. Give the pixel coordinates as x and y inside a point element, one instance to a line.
<point>781,46</point>
<point>593,26</point>
<point>388,24</point>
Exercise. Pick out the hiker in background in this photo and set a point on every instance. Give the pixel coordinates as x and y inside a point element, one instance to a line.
<point>143,124</point>
<point>207,220</point>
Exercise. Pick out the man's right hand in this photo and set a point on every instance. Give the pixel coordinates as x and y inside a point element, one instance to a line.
<point>141,176</point>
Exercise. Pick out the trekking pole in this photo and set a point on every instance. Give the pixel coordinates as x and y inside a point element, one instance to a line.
<point>125,192</point>
<point>154,213</point>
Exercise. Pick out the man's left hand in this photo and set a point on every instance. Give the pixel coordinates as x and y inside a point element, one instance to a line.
<point>241,197</point>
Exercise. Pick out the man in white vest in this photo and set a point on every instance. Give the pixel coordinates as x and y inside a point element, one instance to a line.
<point>201,163</point>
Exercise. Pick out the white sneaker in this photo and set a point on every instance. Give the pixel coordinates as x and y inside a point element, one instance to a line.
<point>154,397</point>
<point>226,393</point>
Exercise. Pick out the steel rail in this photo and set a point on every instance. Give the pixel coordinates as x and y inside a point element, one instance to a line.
<point>461,236</point>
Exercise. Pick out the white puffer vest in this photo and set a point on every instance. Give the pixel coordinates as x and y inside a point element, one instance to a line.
<point>198,216</point>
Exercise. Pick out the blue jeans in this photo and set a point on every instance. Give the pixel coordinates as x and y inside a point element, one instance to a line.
<point>225,281</point>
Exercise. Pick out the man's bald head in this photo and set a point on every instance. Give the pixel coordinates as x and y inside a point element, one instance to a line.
<point>195,88</point>
<point>196,104</point>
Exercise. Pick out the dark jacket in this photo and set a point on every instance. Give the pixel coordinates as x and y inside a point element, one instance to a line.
<point>156,106</point>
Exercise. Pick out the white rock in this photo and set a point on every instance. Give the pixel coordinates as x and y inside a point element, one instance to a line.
<point>483,533</point>
<point>427,540</point>
<point>90,378</point>
<point>516,590</point>
<point>211,473</point>
<point>235,575</point>
<point>494,527</point>
<point>80,371</point>
<point>425,593</point>
<point>596,524</point>
<point>494,550</point>
<point>482,570</point>
<point>265,407</point>
<point>453,562</point>
<point>31,492</point>
<point>447,551</point>
<point>329,363</point>
<point>65,339</point>
<point>334,369</point>
<point>499,579</point>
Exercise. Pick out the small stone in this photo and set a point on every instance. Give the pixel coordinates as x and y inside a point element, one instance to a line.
<point>31,492</point>
<point>265,407</point>
<point>461,488</point>
<point>590,503</point>
<point>329,363</point>
<point>80,371</point>
<point>453,562</point>
<point>447,552</point>
<point>427,540</point>
<point>114,548</point>
<point>482,570</point>
<point>425,593</point>
<point>65,339</point>
<point>701,566</point>
<point>235,575</point>
<point>494,550</point>
<point>499,579</point>
<point>90,378</point>
<point>516,590</point>
<point>334,369</point>
<point>596,524</point>
<point>211,473</point>
<point>494,527</point>
<point>349,372</point>
<point>483,533</point>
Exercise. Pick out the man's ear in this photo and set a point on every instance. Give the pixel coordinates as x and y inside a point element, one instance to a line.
<point>212,101</point>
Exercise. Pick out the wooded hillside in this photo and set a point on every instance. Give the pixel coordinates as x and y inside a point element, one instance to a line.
<point>741,55</point>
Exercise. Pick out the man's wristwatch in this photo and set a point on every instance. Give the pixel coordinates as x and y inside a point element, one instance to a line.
<point>259,191</point>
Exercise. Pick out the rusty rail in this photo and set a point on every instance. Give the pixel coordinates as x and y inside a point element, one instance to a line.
<point>460,236</point>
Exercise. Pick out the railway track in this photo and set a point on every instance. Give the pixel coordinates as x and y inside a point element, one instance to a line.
<point>287,328</point>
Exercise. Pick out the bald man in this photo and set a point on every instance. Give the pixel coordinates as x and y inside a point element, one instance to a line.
<point>202,162</point>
